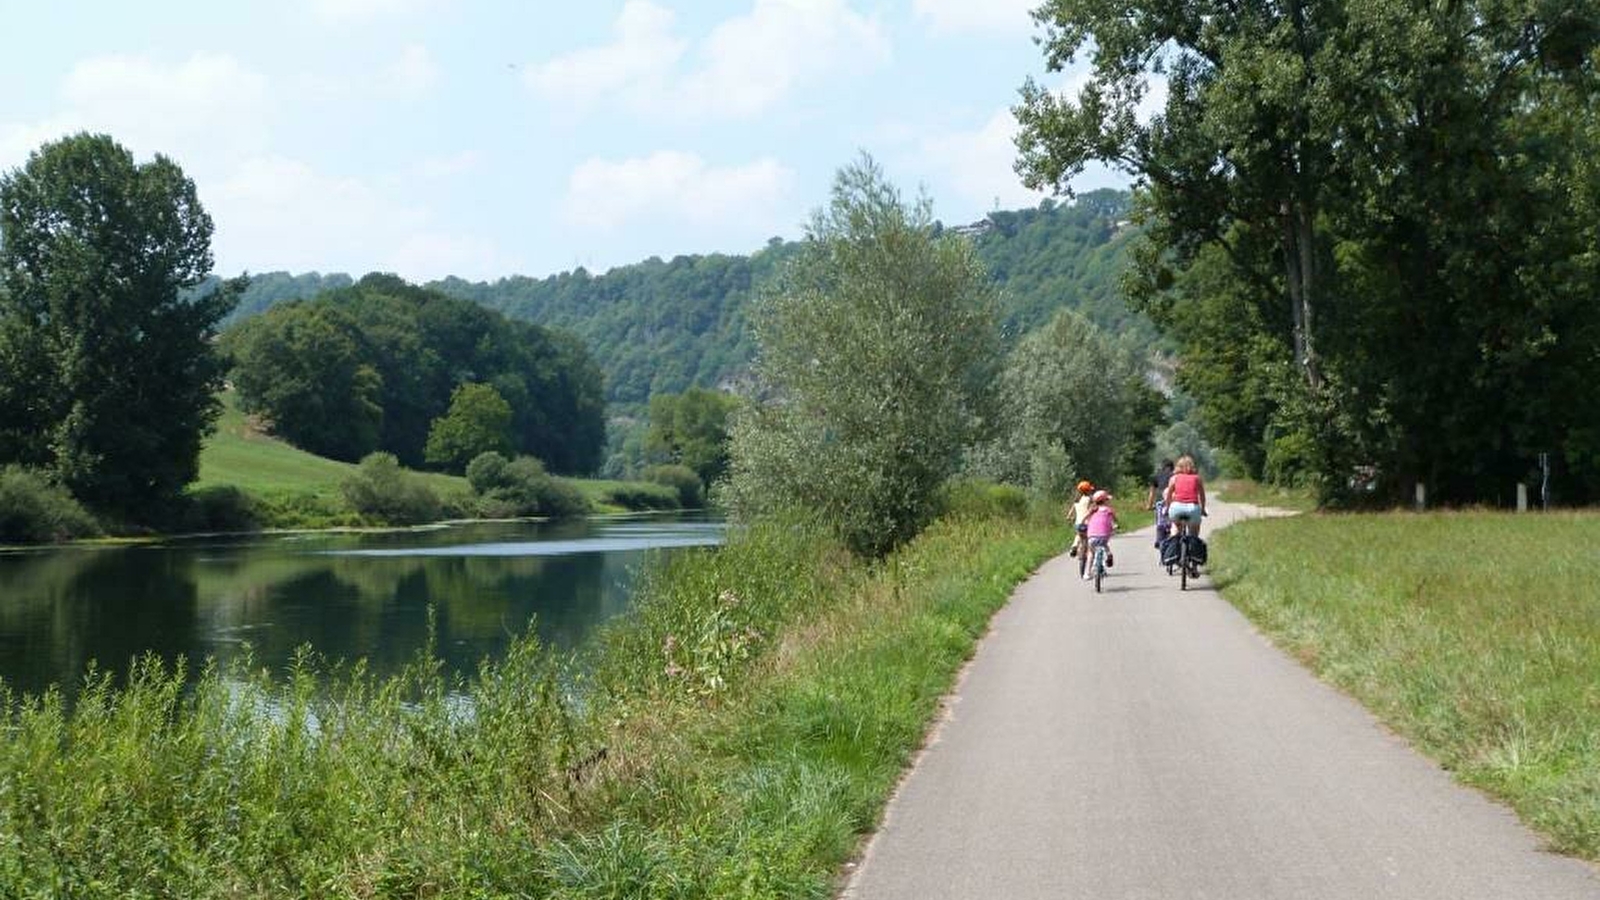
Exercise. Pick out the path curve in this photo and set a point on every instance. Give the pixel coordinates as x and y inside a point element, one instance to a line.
<point>1147,743</point>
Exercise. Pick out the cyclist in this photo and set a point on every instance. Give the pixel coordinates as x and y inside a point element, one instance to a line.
<point>1078,513</point>
<point>1156,501</point>
<point>1102,522</point>
<point>1185,497</point>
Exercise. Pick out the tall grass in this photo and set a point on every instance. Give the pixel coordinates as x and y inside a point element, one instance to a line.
<point>733,737</point>
<point>1477,635</point>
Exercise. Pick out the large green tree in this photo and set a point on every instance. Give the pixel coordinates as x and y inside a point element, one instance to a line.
<point>389,355</point>
<point>108,376</point>
<point>1350,178</point>
<point>691,429</point>
<point>876,353</point>
<point>1074,403</point>
<point>479,421</point>
<point>304,367</point>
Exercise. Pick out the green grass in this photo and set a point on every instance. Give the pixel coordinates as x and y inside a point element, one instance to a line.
<point>1476,635</point>
<point>240,455</point>
<point>295,488</point>
<point>1239,490</point>
<point>735,738</point>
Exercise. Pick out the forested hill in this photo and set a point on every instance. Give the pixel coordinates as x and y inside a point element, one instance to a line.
<point>663,326</point>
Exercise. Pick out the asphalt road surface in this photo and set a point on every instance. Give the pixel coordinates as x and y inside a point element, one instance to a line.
<point>1147,743</point>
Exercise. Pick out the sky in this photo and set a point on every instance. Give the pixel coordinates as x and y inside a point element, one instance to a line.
<point>485,139</point>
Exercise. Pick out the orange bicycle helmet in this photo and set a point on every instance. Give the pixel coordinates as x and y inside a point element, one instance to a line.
<point>1085,487</point>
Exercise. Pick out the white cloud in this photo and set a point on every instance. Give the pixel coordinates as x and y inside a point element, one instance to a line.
<point>352,11</point>
<point>963,16</point>
<point>202,112</point>
<point>414,72</point>
<point>673,188</point>
<point>641,55</point>
<point>976,165</point>
<point>751,61</point>
<point>283,214</point>
<point>745,65</point>
<point>975,169</point>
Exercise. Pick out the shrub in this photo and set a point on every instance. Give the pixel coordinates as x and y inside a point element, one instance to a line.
<point>219,508</point>
<point>520,487</point>
<point>972,499</point>
<point>691,492</point>
<point>32,510</point>
<point>383,491</point>
<point>642,495</point>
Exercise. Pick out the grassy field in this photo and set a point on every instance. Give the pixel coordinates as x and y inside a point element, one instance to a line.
<point>242,456</point>
<point>736,737</point>
<point>1238,490</point>
<point>302,488</point>
<point>1476,635</point>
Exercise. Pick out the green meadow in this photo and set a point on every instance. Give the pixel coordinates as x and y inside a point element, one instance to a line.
<point>1476,635</point>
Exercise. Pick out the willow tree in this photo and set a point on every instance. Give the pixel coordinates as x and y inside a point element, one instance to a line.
<point>876,348</point>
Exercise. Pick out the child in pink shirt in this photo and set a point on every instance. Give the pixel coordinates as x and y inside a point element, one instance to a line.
<point>1102,522</point>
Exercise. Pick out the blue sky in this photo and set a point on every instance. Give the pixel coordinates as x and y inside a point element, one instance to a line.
<point>483,139</point>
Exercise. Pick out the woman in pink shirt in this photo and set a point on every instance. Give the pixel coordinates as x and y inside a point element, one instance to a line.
<point>1186,496</point>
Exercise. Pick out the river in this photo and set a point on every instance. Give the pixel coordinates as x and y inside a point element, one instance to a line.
<point>348,596</point>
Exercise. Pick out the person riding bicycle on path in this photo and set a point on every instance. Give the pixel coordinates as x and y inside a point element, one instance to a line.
<point>1156,501</point>
<point>1102,522</point>
<point>1078,512</point>
<point>1186,496</point>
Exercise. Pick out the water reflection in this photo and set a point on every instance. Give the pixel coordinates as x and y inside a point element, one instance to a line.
<point>349,596</point>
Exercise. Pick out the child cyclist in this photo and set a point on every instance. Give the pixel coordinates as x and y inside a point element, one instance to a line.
<point>1078,513</point>
<point>1102,522</point>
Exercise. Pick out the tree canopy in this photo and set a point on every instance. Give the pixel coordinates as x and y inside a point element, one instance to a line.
<point>1329,184</point>
<point>389,354</point>
<point>877,348</point>
<point>107,374</point>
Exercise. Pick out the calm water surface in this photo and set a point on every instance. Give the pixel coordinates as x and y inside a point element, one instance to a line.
<point>348,596</point>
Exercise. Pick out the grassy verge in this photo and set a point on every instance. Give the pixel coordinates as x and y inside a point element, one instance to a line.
<point>1238,490</point>
<point>1476,635</point>
<point>291,488</point>
<point>735,737</point>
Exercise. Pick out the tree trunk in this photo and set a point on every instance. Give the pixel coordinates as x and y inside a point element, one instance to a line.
<point>1299,260</point>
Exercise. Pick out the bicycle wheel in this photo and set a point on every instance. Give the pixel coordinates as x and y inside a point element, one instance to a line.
<point>1099,567</point>
<point>1183,563</point>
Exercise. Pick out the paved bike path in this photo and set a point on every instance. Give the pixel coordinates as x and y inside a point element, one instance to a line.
<point>1147,743</point>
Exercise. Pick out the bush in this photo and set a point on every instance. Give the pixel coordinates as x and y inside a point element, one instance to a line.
<point>972,499</point>
<point>642,496</point>
<point>520,487</point>
<point>219,508</point>
<point>691,492</point>
<point>383,491</point>
<point>34,511</point>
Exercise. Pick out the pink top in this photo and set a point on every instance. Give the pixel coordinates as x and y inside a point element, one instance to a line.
<point>1102,521</point>
<point>1185,488</point>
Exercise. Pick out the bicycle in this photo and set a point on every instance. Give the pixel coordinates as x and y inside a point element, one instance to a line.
<point>1185,567</point>
<point>1100,551</point>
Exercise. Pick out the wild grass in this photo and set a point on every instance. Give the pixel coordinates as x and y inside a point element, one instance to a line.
<point>1476,635</point>
<point>733,737</point>
<point>1240,490</point>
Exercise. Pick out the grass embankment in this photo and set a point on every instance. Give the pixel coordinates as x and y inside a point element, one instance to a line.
<point>1239,490</point>
<point>1476,635</point>
<point>735,738</point>
<point>293,488</point>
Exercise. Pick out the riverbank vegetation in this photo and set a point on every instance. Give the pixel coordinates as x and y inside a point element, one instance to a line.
<point>1474,635</point>
<point>735,737</point>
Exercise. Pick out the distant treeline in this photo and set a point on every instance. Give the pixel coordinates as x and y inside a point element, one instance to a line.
<point>375,365</point>
<point>665,326</point>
